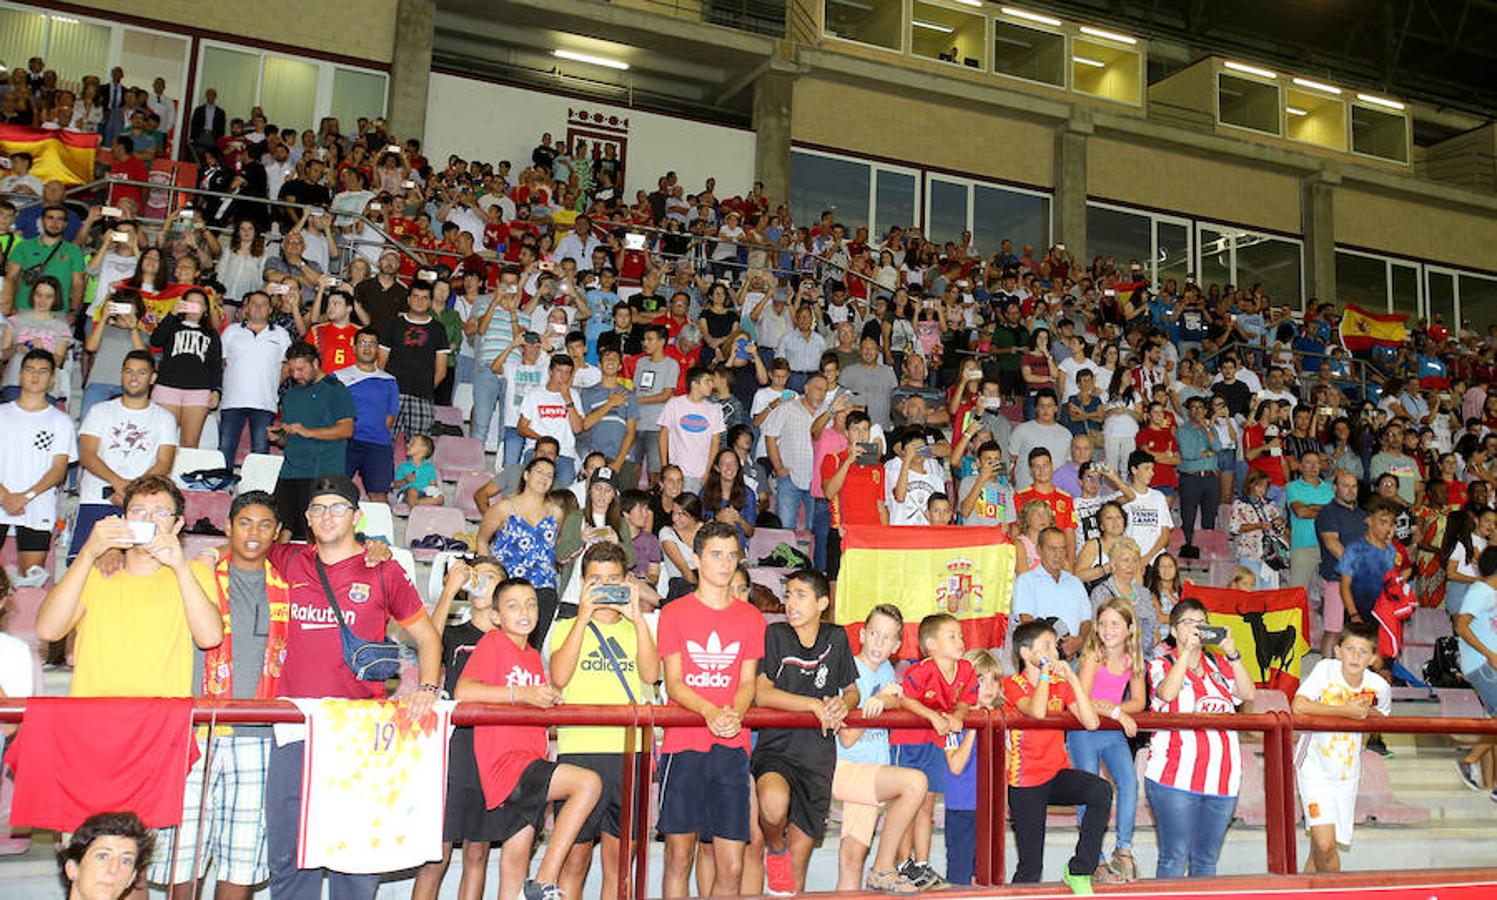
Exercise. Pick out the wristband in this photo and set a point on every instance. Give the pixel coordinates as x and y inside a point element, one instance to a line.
<point>1235,657</point>
<point>1116,714</point>
<point>430,688</point>
<point>1044,677</point>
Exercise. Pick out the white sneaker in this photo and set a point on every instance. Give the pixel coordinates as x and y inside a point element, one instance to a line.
<point>35,576</point>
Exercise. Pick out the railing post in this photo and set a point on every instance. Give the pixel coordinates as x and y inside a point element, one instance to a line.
<point>641,802</point>
<point>987,778</point>
<point>1273,797</point>
<point>628,802</point>
<point>1290,808</point>
<point>998,808</point>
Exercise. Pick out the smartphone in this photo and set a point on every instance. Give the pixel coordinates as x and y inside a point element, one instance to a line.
<point>1211,634</point>
<point>546,266</point>
<point>190,306</point>
<point>119,237</point>
<point>612,594</point>
<point>408,185</point>
<point>1109,292</point>
<point>974,375</point>
<point>278,289</point>
<point>1325,411</point>
<point>393,148</point>
<point>376,207</point>
<point>558,328</point>
<point>1060,247</point>
<point>187,215</point>
<point>122,309</point>
<point>740,348</point>
<point>634,242</point>
<point>427,275</point>
<point>787,395</point>
<point>923,452</point>
<point>141,532</point>
<point>331,280</point>
<point>867,454</point>
<point>316,211</point>
<point>112,212</point>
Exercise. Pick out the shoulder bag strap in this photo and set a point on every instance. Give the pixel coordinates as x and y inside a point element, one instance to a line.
<point>327,589</point>
<point>618,668</point>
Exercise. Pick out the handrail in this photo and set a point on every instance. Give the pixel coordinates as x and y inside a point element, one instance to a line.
<point>1361,365</point>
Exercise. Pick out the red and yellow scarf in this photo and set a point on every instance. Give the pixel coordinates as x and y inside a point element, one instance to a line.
<point>218,663</point>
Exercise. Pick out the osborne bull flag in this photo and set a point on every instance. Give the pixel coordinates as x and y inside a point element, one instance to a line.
<point>1270,629</point>
<point>967,572</point>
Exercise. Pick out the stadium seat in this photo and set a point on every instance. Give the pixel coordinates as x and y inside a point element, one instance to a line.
<point>456,455</point>
<point>260,472</point>
<point>210,505</point>
<point>1267,701</point>
<point>195,544</point>
<point>24,604</point>
<point>193,459</point>
<point>408,562</point>
<point>1375,799</point>
<point>425,520</point>
<point>462,399</point>
<point>376,520</point>
<point>449,415</point>
<point>467,484</point>
<point>1427,625</point>
<point>208,438</point>
<point>1213,544</point>
<point>1459,703</point>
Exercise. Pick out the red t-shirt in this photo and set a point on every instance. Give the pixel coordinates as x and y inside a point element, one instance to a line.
<point>925,683</point>
<point>1157,441</point>
<point>335,343</point>
<point>130,169</point>
<point>685,361</point>
<point>713,644</point>
<point>368,597</point>
<point>862,491</point>
<point>503,751</point>
<point>1273,466</point>
<point>1058,500</point>
<point>1036,755</point>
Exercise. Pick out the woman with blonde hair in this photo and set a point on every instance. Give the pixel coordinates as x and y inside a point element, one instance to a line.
<point>1127,583</point>
<point>1112,674</point>
<point>1034,517</point>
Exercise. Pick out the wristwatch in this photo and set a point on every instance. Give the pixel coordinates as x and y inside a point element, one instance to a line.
<point>430,688</point>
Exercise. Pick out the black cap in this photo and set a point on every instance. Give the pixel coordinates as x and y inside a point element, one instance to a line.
<point>338,484</point>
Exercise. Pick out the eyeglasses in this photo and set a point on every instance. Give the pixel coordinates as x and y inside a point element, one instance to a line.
<point>146,515</point>
<point>1194,622</point>
<point>336,510</point>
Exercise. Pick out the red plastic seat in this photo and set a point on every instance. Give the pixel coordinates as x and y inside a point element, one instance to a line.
<point>425,520</point>
<point>210,505</point>
<point>456,455</point>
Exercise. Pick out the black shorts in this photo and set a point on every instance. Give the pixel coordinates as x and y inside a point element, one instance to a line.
<point>810,791</point>
<point>833,553</point>
<point>705,794</point>
<point>605,817</point>
<point>468,818</point>
<point>28,540</point>
<point>291,498</point>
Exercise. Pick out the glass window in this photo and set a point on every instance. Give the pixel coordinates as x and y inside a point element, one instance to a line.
<point>288,91</point>
<point>894,201</point>
<point>234,75</point>
<point>1029,53</point>
<point>1105,70</point>
<point>948,211</point>
<point>937,32</point>
<point>22,36</point>
<point>1478,302</point>
<point>998,214</point>
<point>1172,252</point>
<point>1362,280</point>
<point>1379,133</point>
<point>820,183</point>
<point>1247,103</point>
<point>1315,118</point>
<point>150,55</point>
<point>876,22</point>
<point>1215,255</point>
<point>1272,262</point>
<point>76,48</point>
<point>357,94</point>
<point>1125,236</point>
<point>1440,294</point>
<point>1406,289</point>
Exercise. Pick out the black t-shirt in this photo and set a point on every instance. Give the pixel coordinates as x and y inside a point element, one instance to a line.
<point>458,642</point>
<point>629,343</point>
<point>822,670</point>
<point>381,303</point>
<point>647,303</point>
<point>1238,395</point>
<point>413,354</point>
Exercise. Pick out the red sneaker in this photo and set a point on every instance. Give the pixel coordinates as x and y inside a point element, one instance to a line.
<point>779,872</point>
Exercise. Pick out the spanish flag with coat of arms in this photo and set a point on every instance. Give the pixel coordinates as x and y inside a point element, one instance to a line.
<point>965,572</point>
<point>1270,628</point>
<point>1362,330</point>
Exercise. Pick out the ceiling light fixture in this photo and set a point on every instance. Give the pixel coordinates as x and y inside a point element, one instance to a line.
<point>933,26</point>
<point>1295,111</point>
<point>1088,61</point>
<point>1031,16</point>
<point>590,60</point>
<point>976,3</point>
<point>1380,101</point>
<point>1317,86</point>
<point>1108,35</point>
<point>1251,70</point>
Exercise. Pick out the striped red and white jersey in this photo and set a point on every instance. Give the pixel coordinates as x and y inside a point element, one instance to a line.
<point>1201,761</point>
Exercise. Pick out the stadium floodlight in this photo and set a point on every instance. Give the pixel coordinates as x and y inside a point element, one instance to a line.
<point>1108,35</point>
<point>1380,101</point>
<point>1317,86</point>
<point>1031,16</point>
<point>1088,61</point>
<point>1251,70</point>
<point>574,56</point>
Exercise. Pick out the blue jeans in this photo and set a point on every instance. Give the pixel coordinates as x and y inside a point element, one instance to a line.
<point>94,394</point>
<point>514,447</point>
<point>1190,829</point>
<point>488,396</point>
<point>231,424</point>
<point>1088,750</point>
<point>821,526</point>
<point>789,500</point>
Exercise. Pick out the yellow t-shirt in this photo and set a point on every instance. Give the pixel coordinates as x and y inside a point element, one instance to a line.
<point>595,682</point>
<point>133,639</point>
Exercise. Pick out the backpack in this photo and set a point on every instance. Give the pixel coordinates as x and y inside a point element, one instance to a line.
<point>1444,668</point>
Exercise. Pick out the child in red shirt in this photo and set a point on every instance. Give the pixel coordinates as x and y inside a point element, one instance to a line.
<point>1039,772</point>
<point>512,764</point>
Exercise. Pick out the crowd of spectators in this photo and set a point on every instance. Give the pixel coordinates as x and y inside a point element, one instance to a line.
<point>655,379</point>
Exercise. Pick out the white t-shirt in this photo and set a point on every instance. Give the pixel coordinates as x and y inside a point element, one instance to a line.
<point>520,379</point>
<point>1072,366</point>
<point>29,443</point>
<point>17,672</point>
<point>1148,515</point>
<point>921,484</point>
<point>762,398</point>
<point>128,441</point>
<point>1336,755</point>
<point>252,366</point>
<point>113,268</point>
<point>1278,396</point>
<point>546,411</point>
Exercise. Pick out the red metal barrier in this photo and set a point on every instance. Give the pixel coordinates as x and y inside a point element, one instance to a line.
<point>992,728</point>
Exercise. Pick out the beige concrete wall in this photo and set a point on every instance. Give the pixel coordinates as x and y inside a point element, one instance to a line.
<point>1367,218</point>
<point>364,29</point>
<point>907,128</point>
<point>1193,184</point>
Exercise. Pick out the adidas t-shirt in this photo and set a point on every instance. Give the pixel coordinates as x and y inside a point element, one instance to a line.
<point>712,645</point>
<point>595,681</point>
<point>821,670</point>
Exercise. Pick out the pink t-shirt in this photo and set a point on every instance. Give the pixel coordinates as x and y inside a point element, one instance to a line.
<point>830,442</point>
<point>712,644</point>
<point>691,425</point>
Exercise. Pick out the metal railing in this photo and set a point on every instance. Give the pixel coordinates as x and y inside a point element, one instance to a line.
<point>1365,372</point>
<point>992,726</point>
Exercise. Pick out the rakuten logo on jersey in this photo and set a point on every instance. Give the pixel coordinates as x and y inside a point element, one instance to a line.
<point>712,659</point>
<point>314,616</point>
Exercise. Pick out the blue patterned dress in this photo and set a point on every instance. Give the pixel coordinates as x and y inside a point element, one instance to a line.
<point>528,551</point>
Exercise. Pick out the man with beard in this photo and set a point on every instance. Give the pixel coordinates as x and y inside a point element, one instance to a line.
<point>317,415</point>
<point>51,252</point>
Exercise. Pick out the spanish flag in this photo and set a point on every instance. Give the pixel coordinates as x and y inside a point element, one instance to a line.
<point>57,153</point>
<point>966,572</point>
<point>1270,629</point>
<point>1362,330</point>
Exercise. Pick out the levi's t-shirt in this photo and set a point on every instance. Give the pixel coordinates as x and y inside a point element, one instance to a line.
<point>368,597</point>
<point>1036,755</point>
<point>503,751</point>
<point>713,645</point>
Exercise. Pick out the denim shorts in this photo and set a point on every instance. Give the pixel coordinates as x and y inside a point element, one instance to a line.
<point>1484,681</point>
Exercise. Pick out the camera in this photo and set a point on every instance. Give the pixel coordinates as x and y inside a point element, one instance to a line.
<point>141,532</point>
<point>1211,634</point>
